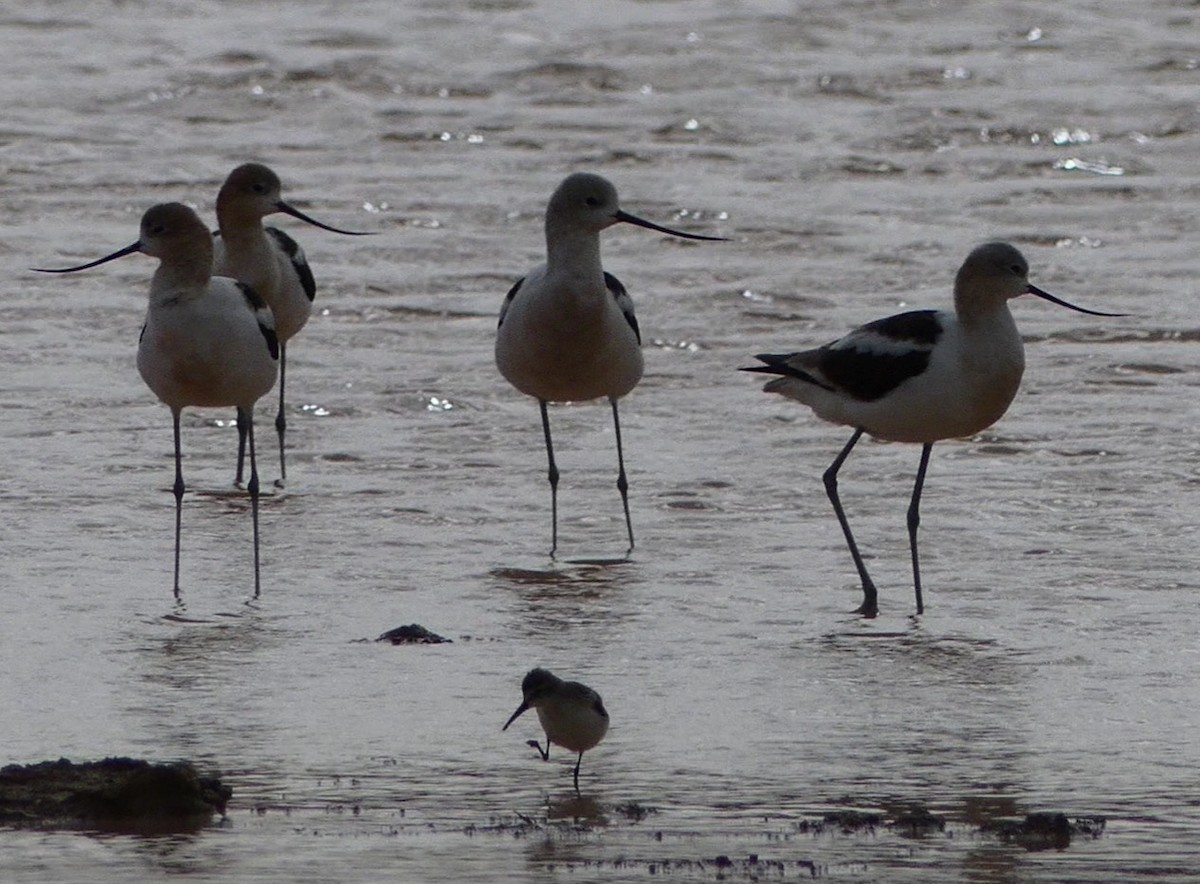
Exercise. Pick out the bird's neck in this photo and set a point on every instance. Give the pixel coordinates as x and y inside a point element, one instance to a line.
<point>233,219</point>
<point>976,315</point>
<point>240,228</point>
<point>574,256</point>
<point>181,277</point>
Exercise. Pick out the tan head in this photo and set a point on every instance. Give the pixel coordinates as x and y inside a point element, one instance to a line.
<point>171,232</point>
<point>251,193</point>
<point>587,203</point>
<point>996,272</point>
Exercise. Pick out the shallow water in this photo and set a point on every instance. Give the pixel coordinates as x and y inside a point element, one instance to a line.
<point>854,152</point>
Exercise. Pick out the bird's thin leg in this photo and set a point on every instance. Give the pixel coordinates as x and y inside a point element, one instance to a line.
<point>622,481</point>
<point>252,487</point>
<point>914,520</point>
<point>281,417</point>
<point>178,491</point>
<point>241,428</point>
<point>870,606</point>
<point>578,761</point>
<point>553,475</point>
<point>545,753</point>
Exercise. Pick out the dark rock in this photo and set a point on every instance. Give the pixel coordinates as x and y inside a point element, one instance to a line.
<point>115,794</point>
<point>413,634</point>
<point>1046,830</point>
<point>918,821</point>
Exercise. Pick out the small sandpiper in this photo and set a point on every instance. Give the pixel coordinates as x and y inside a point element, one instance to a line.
<point>572,714</point>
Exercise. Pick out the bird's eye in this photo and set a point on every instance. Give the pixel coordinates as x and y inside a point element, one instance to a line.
<point>158,230</point>
<point>591,202</point>
<point>259,188</point>
<point>1017,269</point>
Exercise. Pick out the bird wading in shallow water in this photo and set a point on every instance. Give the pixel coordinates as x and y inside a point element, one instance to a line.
<point>207,342</point>
<point>567,330</point>
<point>572,714</point>
<point>270,262</point>
<point>919,377</point>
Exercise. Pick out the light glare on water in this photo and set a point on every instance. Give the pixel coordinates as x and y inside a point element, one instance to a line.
<point>854,153</point>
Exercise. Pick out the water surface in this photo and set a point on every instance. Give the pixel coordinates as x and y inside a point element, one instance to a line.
<point>854,153</point>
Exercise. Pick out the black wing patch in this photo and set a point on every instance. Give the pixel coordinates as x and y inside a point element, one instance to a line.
<point>508,299</point>
<point>253,299</point>
<point>876,358</point>
<point>292,249</point>
<point>624,302</point>
<point>866,375</point>
<point>868,363</point>
<point>266,323</point>
<point>915,326</point>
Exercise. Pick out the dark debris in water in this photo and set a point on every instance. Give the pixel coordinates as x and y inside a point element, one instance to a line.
<point>673,854</point>
<point>918,821</point>
<point>844,821</point>
<point>722,867</point>
<point>634,811</point>
<point>1046,830</point>
<point>116,794</point>
<point>518,825</point>
<point>412,634</point>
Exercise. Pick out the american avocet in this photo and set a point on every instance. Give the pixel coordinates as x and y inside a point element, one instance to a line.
<point>208,341</point>
<point>567,330</point>
<point>269,261</point>
<point>572,714</point>
<point>919,376</point>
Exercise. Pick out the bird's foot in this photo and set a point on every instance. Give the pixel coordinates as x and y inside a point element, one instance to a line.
<point>869,608</point>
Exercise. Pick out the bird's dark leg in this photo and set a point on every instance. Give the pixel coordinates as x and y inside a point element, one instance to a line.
<point>553,475</point>
<point>578,761</point>
<point>545,753</point>
<point>178,491</point>
<point>622,481</point>
<point>241,428</point>
<point>281,417</point>
<point>914,520</point>
<point>252,487</point>
<point>870,605</point>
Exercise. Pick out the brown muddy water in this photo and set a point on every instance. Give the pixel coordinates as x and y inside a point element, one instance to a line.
<point>854,152</point>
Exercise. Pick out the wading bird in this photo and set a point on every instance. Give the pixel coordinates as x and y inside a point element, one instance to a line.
<point>208,341</point>
<point>572,714</point>
<point>919,377</point>
<point>567,330</point>
<point>270,262</point>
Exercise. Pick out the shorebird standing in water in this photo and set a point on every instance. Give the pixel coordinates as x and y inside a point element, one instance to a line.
<point>567,330</point>
<point>919,376</point>
<point>270,262</point>
<point>572,714</point>
<point>208,341</point>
